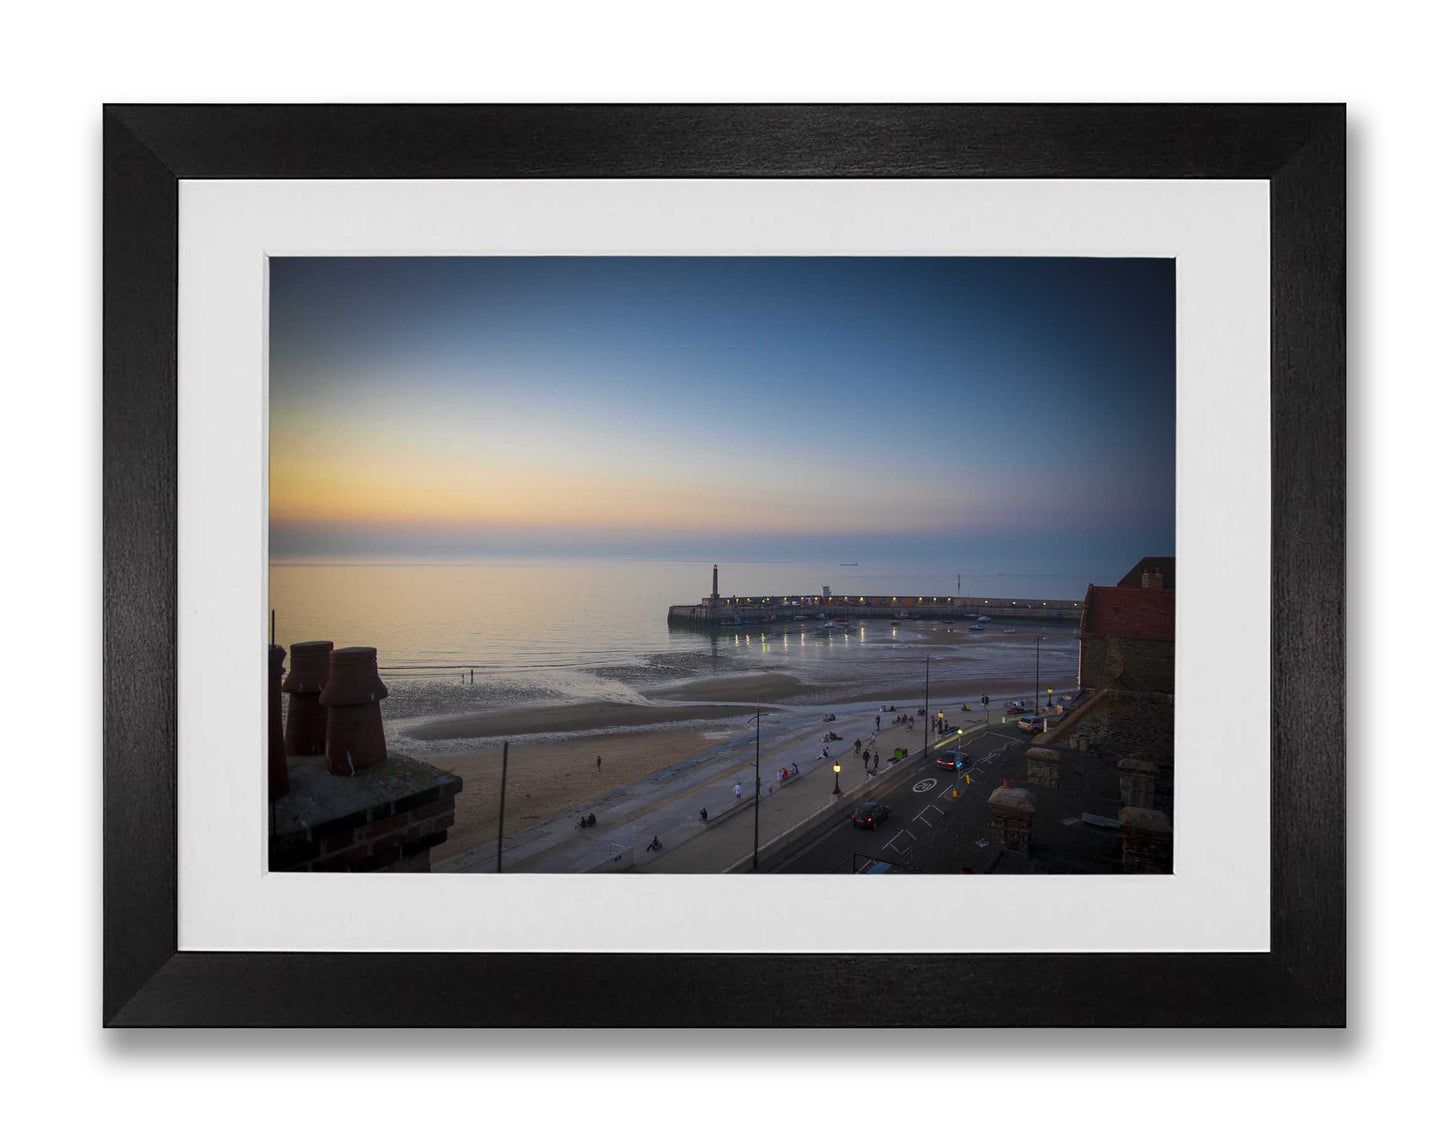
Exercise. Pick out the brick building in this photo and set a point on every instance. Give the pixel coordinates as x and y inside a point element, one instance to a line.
<point>1127,632</point>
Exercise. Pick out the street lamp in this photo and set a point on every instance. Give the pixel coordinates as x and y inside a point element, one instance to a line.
<point>837,773</point>
<point>1037,641</point>
<point>927,683</point>
<point>1051,698</point>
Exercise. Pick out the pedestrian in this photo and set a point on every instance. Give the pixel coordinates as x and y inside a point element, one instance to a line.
<point>857,747</point>
<point>599,763</point>
<point>737,792</point>
<point>795,768</point>
<point>878,722</point>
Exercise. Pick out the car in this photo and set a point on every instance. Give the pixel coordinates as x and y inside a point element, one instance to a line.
<point>1013,710</point>
<point>952,761</point>
<point>1032,723</point>
<point>869,814</point>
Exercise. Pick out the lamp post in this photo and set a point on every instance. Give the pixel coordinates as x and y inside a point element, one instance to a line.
<point>1038,639</point>
<point>837,773</point>
<point>1051,698</point>
<point>758,779</point>
<point>927,670</point>
<point>501,805</point>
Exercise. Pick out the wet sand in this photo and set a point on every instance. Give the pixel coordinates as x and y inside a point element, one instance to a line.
<point>563,718</point>
<point>969,689</point>
<point>762,688</point>
<point>545,778</point>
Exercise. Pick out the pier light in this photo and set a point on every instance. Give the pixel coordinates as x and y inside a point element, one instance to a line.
<point>837,773</point>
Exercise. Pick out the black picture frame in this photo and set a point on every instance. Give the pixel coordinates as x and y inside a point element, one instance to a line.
<point>1299,149</point>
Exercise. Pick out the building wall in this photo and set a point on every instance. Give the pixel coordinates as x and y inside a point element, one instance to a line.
<point>1102,658</point>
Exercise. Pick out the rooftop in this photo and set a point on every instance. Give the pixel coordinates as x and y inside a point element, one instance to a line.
<point>1164,565</point>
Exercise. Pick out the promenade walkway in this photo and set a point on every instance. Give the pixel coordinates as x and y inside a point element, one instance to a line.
<point>728,846</point>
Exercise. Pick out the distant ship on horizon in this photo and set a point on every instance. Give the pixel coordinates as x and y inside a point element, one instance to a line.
<point>848,565</point>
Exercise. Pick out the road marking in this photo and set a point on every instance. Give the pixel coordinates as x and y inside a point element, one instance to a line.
<point>895,837</point>
<point>923,786</point>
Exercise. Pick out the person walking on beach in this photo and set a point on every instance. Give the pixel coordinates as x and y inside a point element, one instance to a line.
<point>599,763</point>
<point>737,793</point>
<point>795,768</point>
<point>857,747</point>
<point>878,721</point>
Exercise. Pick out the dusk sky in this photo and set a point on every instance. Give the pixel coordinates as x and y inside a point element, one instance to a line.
<point>971,413</point>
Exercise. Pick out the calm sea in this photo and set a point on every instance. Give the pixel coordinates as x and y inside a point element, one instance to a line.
<point>493,634</point>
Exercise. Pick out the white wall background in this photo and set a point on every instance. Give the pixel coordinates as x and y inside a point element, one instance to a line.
<point>61,63</point>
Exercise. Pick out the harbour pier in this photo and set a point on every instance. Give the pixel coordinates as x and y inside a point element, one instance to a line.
<point>717,611</point>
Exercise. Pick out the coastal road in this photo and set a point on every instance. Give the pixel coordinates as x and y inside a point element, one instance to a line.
<point>924,815</point>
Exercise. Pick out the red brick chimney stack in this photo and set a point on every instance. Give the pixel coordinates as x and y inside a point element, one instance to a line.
<point>275,738</point>
<point>352,698</point>
<point>306,718</point>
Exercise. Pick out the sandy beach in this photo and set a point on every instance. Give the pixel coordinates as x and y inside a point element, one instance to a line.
<point>554,767</point>
<point>544,778</point>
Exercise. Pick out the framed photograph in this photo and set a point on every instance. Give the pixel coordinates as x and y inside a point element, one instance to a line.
<point>551,552</point>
